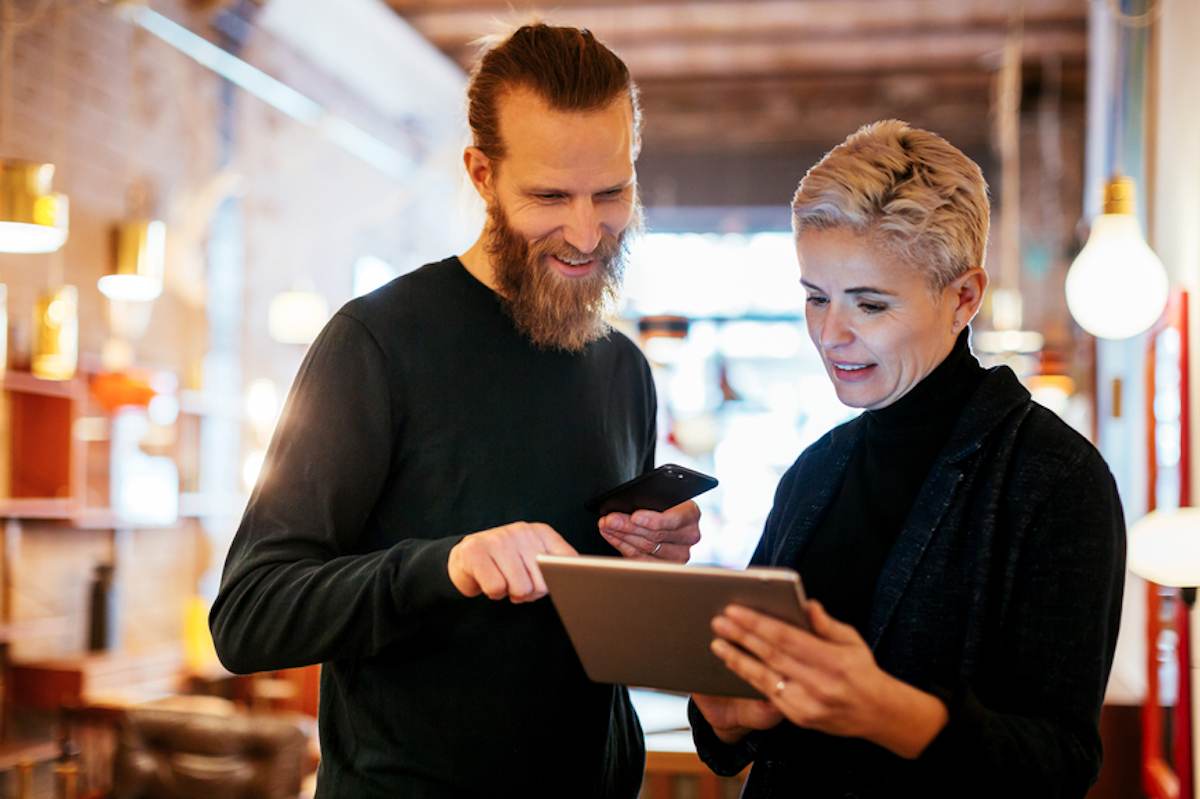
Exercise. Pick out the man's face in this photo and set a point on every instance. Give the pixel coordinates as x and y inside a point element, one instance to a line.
<point>561,204</point>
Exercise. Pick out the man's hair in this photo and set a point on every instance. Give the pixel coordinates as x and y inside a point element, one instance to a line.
<point>566,67</point>
<point>911,190</point>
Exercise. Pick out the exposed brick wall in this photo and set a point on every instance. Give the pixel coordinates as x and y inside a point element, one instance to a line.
<point>112,107</point>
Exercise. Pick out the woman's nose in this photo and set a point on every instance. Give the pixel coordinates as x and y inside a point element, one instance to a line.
<point>834,330</point>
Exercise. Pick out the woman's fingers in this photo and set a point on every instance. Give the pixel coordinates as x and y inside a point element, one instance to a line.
<point>769,638</point>
<point>750,669</point>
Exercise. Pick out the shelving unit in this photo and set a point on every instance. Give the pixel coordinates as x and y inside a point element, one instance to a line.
<point>51,471</point>
<point>41,477</point>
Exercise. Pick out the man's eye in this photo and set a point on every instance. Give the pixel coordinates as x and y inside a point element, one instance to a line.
<point>816,300</point>
<point>549,197</point>
<point>872,307</point>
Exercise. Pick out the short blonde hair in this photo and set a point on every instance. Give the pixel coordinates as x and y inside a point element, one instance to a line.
<point>912,189</point>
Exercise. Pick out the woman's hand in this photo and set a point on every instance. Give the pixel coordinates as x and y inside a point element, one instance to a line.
<point>827,679</point>
<point>733,719</point>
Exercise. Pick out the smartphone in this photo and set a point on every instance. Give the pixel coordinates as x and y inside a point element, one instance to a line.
<point>657,490</point>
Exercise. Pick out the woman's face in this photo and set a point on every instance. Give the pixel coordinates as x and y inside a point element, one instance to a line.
<point>878,325</point>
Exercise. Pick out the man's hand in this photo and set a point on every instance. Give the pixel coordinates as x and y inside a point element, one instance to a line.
<point>501,562</point>
<point>647,535</point>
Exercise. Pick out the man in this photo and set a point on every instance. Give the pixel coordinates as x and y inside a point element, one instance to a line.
<point>442,432</point>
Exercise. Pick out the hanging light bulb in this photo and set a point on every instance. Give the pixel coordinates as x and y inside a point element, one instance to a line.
<point>56,334</point>
<point>1117,287</point>
<point>297,316</point>
<point>32,217</point>
<point>137,272</point>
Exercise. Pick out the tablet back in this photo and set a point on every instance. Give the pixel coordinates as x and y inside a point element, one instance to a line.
<point>648,624</point>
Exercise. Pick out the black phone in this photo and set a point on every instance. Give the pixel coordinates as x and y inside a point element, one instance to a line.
<point>657,490</point>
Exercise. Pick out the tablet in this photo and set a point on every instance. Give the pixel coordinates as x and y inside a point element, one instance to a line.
<point>649,624</point>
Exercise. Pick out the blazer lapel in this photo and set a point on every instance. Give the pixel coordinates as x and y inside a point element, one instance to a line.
<point>822,478</point>
<point>928,511</point>
<point>999,395</point>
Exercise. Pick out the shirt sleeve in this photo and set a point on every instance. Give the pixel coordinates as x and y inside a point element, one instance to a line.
<point>297,589</point>
<point>1029,726</point>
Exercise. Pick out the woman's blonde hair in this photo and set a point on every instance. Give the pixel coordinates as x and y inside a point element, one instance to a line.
<point>912,190</point>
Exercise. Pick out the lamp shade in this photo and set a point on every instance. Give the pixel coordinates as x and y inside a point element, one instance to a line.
<point>137,270</point>
<point>1164,547</point>
<point>296,317</point>
<point>32,217</point>
<point>56,335</point>
<point>1116,287</point>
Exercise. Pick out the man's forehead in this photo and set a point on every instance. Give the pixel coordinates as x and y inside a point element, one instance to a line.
<point>543,141</point>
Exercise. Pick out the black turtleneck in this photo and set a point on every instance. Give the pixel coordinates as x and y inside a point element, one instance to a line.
<point>846,553</point>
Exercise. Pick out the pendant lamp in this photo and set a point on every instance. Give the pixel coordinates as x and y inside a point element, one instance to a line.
<point>137,269</point>
<point>33,219</point>
<point>56,334</point>
<point>1117,287</point>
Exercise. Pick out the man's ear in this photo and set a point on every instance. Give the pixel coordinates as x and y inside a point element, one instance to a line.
<point>481,171</point>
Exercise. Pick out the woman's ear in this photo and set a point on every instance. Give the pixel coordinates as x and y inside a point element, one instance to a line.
<point>967,294</point>
<point>481,172</point>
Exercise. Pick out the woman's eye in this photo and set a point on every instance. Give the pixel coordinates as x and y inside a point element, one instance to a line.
<point>816,300</point>
<point>872,307</point>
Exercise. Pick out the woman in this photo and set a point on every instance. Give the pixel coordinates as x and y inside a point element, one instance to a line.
<point>963,548</point>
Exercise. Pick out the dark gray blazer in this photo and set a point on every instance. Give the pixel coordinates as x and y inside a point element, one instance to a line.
<point>1002,595</point>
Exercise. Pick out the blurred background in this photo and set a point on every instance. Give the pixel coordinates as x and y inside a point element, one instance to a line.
<point>189,189</point>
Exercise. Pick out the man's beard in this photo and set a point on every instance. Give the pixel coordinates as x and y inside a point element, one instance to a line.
<point>557,312</point>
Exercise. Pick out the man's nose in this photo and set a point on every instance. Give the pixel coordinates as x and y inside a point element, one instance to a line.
<point>583,229</point>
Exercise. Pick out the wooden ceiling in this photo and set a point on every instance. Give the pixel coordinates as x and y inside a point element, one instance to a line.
<point>794,75</point>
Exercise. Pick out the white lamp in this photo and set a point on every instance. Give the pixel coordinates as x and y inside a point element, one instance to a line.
<point>1164,547</point>
<point>1117,287</point>
<point>137,270</point>
<point>32,217</point>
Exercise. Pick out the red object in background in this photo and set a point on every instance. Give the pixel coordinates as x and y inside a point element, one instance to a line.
<point>1162,779</point>
<point>114,390</point>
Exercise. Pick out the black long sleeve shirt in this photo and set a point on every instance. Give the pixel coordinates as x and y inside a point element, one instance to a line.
<point>421,415</point>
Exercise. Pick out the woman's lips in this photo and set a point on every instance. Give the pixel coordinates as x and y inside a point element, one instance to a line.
<point>852,373</point>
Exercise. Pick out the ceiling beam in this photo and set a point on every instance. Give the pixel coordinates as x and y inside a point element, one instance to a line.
<point>964,123</point>
<point>926,6</point>
<point>666,21</point>
<point>860,54</point>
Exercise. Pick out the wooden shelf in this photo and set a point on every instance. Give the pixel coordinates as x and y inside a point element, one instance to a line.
<point>37,508</point>
<point>26,383</point>
<point>106,519</point>
<point>49,684</point>
<point>14,753</point>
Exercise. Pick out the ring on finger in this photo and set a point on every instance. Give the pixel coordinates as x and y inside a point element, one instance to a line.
<point>780,686</point>
<point>657,547</point>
